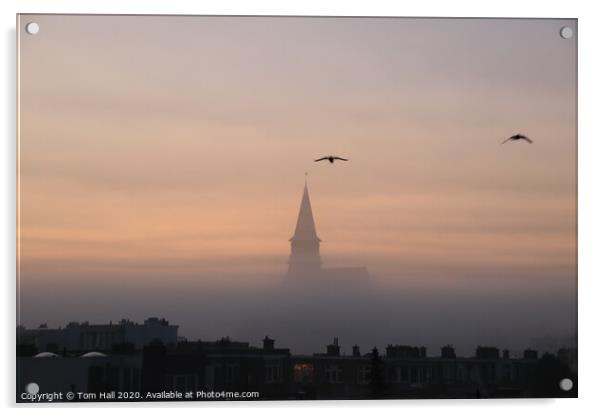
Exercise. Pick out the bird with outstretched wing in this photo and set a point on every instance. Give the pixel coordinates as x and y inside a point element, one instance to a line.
<point>331,159</point>
<point>518,137</point>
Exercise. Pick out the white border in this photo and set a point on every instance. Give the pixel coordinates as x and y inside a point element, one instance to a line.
<point>590,206</point>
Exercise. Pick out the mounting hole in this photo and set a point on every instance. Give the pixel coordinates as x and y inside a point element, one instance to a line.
<point>566,384</point>
<point>32,28</point>
<point>32,388</point>
<point>566,32</point>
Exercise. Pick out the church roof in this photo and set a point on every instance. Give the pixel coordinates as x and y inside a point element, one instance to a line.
<point>306,227</point>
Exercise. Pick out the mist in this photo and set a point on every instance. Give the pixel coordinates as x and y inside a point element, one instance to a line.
<point>305,316</point>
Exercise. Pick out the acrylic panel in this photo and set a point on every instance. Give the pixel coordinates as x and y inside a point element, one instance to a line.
<point>287,208</point>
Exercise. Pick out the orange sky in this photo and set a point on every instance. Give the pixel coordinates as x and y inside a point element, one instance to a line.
<point>180,144</point>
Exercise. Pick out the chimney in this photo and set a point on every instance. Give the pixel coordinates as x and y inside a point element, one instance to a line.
<point>488,353</point>
<point>333,349</point>
<point>268,344</point>
<point>448,351</point>
<point>530,355</point>
<point>356,350</point>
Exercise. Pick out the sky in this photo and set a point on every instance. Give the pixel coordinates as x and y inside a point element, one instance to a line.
<point>162,162</point>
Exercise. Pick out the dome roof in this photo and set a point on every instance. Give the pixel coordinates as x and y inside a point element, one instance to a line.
<point>46,355</point>
<point>93,354</point>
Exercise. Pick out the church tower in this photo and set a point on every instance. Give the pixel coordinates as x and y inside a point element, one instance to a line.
<point>305,244</point>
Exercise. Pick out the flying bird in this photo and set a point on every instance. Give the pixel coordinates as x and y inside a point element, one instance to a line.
<point>331,159</point>
<point>518,137</point>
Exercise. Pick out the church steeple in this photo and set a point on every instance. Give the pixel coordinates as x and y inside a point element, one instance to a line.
<point>306,227</point>
<point>305,244</point>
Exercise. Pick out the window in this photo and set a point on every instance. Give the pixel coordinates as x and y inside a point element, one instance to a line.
<point>334,374</point>
<point>507,373</point>
<point>303,373</point>
<point>126,380</point>
<point>363,375</point>
<point>427,374</point>
<point>180,383</point>
<point>460,373</point>
<point>136,379</point>
<point>231,372</point>
<point>404,374</point>
<point>413,375</point>
<point>273,373</point>
<point>191,384</point>
<point>184,382</point>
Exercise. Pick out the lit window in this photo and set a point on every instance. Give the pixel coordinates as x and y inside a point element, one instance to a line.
<point>303,373</point>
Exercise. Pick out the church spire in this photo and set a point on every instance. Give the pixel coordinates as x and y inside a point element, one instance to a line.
<point>306,227</point>
<point>305,244</point>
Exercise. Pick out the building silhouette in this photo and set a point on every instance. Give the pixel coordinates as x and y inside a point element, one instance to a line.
<point>274,373</point>
<point>76,336</point>
<point>305,262</point>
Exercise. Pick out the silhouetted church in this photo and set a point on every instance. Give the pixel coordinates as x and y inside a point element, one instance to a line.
<point>305,261</point>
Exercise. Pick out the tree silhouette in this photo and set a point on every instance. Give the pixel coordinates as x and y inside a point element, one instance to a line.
<point>548,373</point>
<point>377,375</point>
